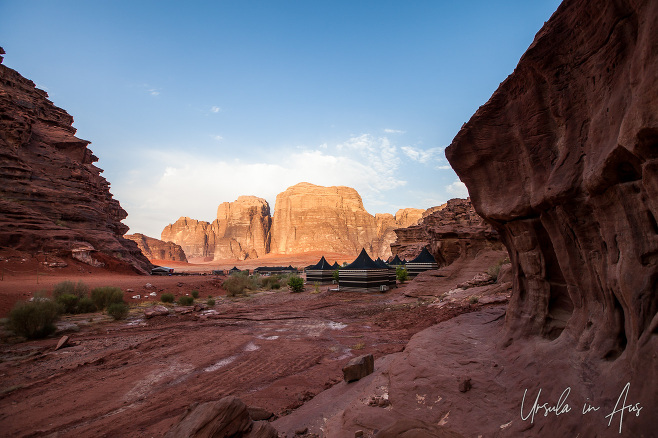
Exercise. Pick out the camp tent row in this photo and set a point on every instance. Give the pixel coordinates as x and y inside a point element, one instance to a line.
<point>424,262</point>
<point>270,270</point>
<point>365,274</point>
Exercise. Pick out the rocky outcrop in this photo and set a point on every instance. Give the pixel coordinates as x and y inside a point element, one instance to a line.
<point>563,162</point>
<point>240,231</point>
<point>52,196</point>
<point>307,218</point>
<point>155,249</point>
<point>454,231</point>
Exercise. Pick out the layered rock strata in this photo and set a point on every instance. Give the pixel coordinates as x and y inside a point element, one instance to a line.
<point>563,162</point>
<point>155,249</point>
<point>53,198</point>
<point>240,231</point>
<point>449,233</point>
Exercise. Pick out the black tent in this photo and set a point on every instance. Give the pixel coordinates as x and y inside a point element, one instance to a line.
<point>392,277</point>
<point>396,261</point>
<point>335,265</point>
<point>322,272</point>
<point>424,262</point>
<point>269,270</point>
<point>234,270</point>
<point>364,274</point>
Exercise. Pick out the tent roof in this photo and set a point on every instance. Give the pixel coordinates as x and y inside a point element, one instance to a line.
<point>363,262</point>
<point>234,268</point>
<point>424,257</point>
<point>322,265</point>
<point>381,263</point>
<point>396,261</point>
<point>335,265</point>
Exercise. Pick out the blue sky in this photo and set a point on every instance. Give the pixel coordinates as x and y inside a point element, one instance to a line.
<point>190,104</point>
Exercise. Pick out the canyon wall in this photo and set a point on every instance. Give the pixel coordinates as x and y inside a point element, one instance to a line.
<point>52,197</point>
<point>563,162</point>
<point>307,218</point>
<point>155,249</point>
<point>450,232</point>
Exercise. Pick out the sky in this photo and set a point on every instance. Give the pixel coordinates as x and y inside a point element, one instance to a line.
<point>191,104</point>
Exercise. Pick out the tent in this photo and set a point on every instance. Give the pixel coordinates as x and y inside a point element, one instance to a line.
<point>396,261</point>
<point>424,262</point>
<point>269,270</point>
<point>322,272</point>
<point>392,277</point>
<point>234,270</point>
<point>364,274</point>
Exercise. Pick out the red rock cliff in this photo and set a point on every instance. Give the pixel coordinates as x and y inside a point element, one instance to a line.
<point>563,162</point>
<point>52,196</point>
<point>156,249</point>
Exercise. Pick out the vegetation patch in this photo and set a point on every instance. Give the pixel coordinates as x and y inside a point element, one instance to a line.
<point>34,319</point>
<point>401,274</point>
<point>106,295</point>
<point>118,310</point>
<point>185,300</point>
<point>296,284</point>
<point>167,298</point>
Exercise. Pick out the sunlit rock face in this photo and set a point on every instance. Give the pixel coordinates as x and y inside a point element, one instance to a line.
<point>563,162</point>
<point>155,249</point>
<point>53,199</point>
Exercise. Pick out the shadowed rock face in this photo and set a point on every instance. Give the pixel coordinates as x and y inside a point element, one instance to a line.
<point>451,232</point>
<point>155,249</point>
<point>563,162</point>
<point>52,196</point>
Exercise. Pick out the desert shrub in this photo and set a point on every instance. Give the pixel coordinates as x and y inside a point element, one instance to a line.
<point>86,305</point>
<point>167,298</point>
<point>401,274</point>
<point>316,288</point>
<point>195,293</point>
<point>276,286</point>
<point>336,275</point>
<point>473,300</point>
<point>236,284</point>
<point>106,295</point>
<point>68,302</point>
<point>271,282</point>
<point>296,283</point>
<point>185,300</point>
<point>118,310</point>
<point>34,319</point>
<point>69,288</point>
<point>210,302</point>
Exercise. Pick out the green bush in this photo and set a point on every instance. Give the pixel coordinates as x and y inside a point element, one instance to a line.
<point>86,305</point>
<point>296,283</point>
<point>401,274</point>
<point>276,285</point>
<point>185,300</point>
<point>195,294</point>
<point>236,284</point>
<point>69,288</point>
<point>336,275</point>
<point>210,302</point>
<point>34,319</point>
<point>118,310</point>
<point>68,303</point>
<point>473,300</point>
<point>106,295</point>
<point>272,282</point>
<point>167,298</point>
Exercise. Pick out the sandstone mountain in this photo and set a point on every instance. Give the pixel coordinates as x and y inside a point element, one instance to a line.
<point>240,231</point>
<point>307,218</point>
<point>52,196</point>
<point>155,249</point>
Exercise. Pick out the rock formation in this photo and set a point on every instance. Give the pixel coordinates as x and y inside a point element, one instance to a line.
<point>563,162</point>
<point>240,231</point>
<point>307,218</point>
<point>52,196</point>
<point>155,249</point>
<point>451,232</point>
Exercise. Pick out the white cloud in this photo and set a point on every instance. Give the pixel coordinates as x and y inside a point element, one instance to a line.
<point>215,109</point>
<point>217,137</point>
<point>153,91</point>
<point>446,167</point>
<point>393,131</point>
<point>457,189</point>
<point>421,155</point>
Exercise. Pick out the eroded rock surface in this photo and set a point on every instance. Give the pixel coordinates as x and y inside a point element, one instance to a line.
<point>52,196</point>
<point>156,249</point>
<point>450,232</point>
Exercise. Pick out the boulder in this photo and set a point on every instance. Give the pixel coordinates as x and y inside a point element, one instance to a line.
<point>151,312</point>
<point>227,417</point>
<point>63,342</point>
<point>262,429</point>
<point>358,368</point>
